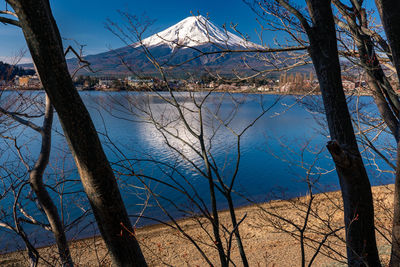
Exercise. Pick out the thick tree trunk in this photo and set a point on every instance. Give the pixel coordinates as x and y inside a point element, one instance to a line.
<point>44,42</point>
<point>36,182</point>
<point>395,253</point>
<point>354,182</point>
<point>389,12</point>
<point>390,15</point>
<point>383,93</point>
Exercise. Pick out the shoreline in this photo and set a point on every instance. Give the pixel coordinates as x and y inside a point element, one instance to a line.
<point>200,91</point>
<point>162,245</point>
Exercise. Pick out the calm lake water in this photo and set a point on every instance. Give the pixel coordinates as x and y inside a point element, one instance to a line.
<point>275,154</point>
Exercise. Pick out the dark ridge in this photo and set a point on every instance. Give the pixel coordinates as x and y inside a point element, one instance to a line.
<point>8,72</point>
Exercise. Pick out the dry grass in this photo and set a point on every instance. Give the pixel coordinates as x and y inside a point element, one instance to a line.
<point>265,243</point>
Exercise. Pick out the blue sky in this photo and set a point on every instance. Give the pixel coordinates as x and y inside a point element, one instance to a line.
<point>84,20</point>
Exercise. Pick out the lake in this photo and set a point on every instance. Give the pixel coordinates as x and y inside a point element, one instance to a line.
<point>276,153</point>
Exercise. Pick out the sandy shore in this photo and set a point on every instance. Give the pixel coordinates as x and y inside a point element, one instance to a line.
<point>270,234</point>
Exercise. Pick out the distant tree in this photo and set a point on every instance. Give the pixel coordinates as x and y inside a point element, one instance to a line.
<point>290,79</point>
<point>8,72</point>
<point>283,78</point>
<point>299,78</point>
<point>117,84</point>
<point>207,78</point>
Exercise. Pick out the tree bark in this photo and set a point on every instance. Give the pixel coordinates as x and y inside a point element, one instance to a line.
<point>354,182</point>
<point>395,253</point>
<point>36,182</point>
<point>389,12</point>
<point>384,96</point>
<point>45,45</point>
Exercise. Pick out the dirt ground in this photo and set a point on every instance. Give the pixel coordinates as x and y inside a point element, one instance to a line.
<point>270,234</point>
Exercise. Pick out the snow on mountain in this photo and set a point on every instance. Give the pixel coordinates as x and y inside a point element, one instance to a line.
<point>168,47</point>
<point>195,31</point>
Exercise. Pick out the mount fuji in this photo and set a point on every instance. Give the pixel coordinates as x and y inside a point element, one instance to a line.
<point>181,44</point>
<point>195,31</point>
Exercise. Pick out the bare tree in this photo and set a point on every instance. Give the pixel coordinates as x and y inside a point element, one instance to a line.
<point>44,42</point>
<point>319,27</point>
<point>310,219</point>
<point>389,11</point>
<point>190,124</point>
<point>36,174</point>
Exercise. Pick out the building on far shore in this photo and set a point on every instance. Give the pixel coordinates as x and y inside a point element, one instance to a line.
<point>131,81</point>
<point>28,81</point>
<point>106,82</point>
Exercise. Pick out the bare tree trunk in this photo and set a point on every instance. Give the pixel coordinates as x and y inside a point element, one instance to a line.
<point>378,82</point>
<point>215,217</point>
<point>389,11</point>
<point>236,230</point>
<point>395,253</point>
<point>385,98</point>
<point>36,182</point>
<point>354,182</point>
<point>44,42</point>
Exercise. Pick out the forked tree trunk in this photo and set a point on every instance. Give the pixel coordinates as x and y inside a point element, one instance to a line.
<point>45,45</point>
<point>389,11</point>
<point>354,182</point>
<point>36,183</point>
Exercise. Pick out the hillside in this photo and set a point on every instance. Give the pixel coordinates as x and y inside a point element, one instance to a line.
<point>8,72</point>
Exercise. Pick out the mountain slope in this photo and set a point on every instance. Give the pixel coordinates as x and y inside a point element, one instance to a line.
<point>195,31</point>
<point>180,43</point>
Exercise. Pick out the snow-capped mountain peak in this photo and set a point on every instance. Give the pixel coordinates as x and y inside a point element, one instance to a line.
<point>195,31</point>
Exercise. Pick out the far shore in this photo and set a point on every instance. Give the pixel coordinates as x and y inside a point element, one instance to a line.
<point>264,244</point>
<point>355,93</point>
